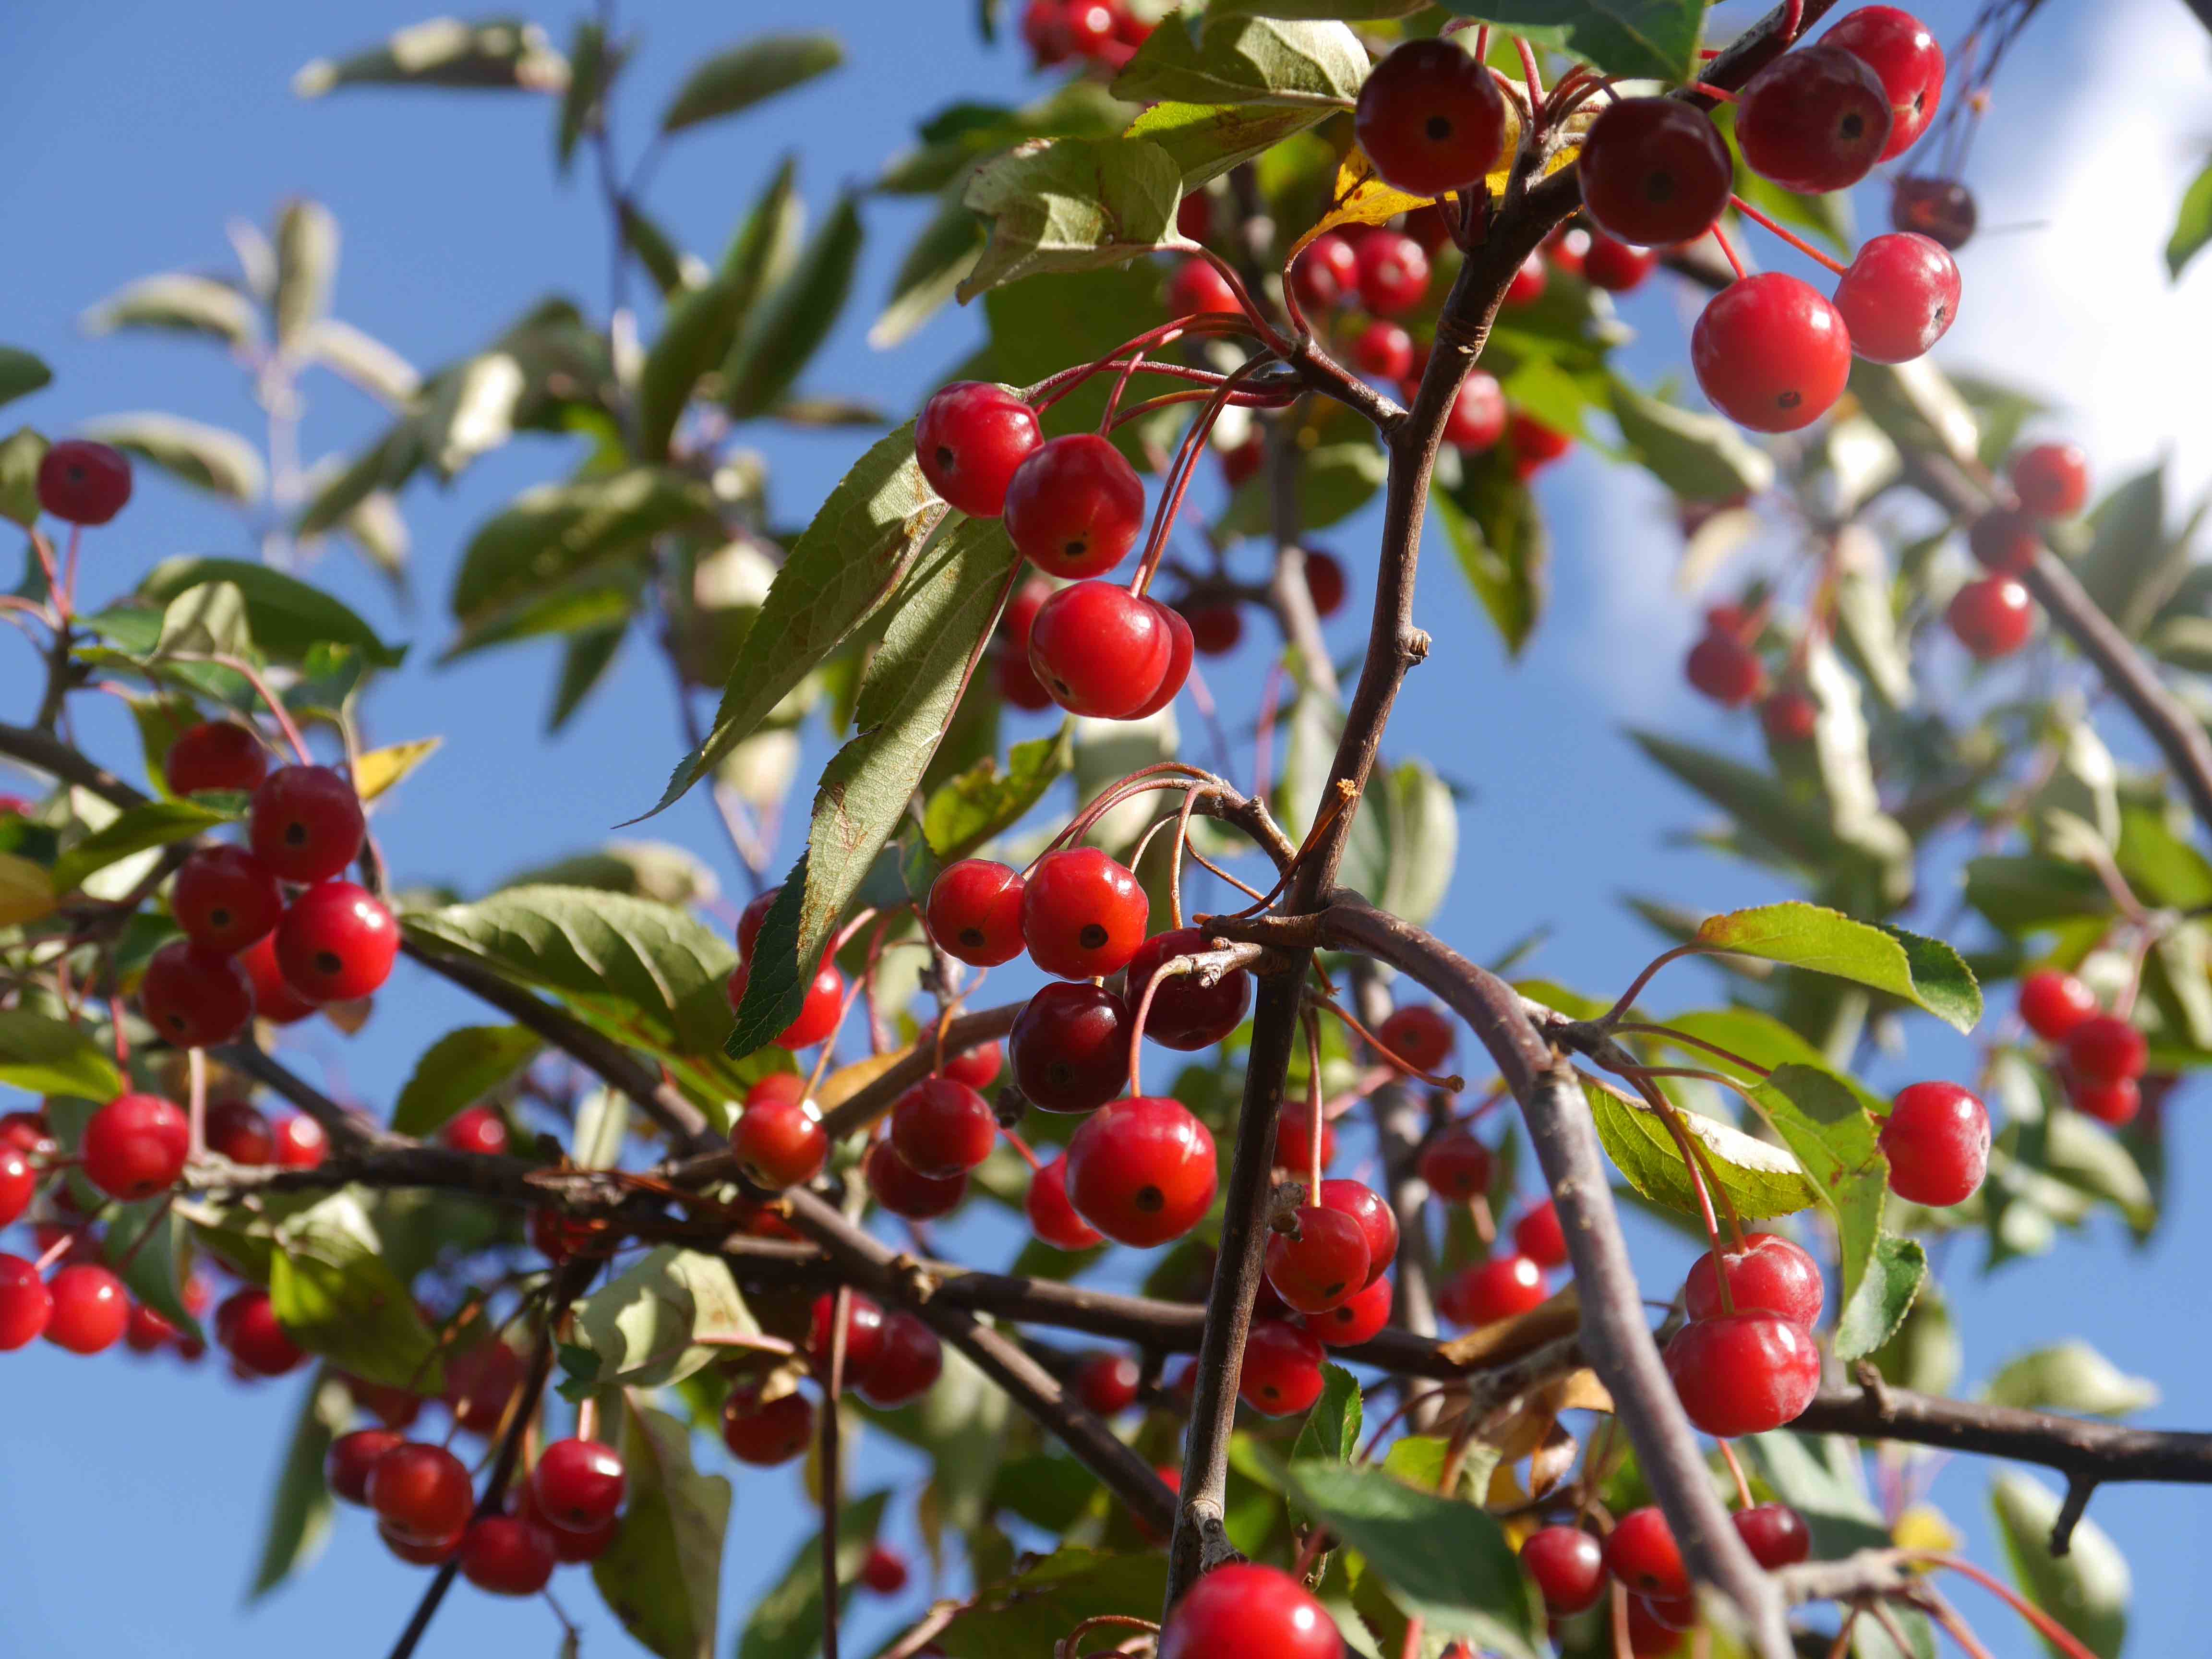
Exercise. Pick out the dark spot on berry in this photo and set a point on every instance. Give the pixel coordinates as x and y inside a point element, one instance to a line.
<point>328,961</point>
<point>972,938</point>
<point>1439,128</point>
<point>1093,938</point>
<point>1659,188</point>
<point>945,456</point>
<point>219,918</point>
<point>1853,124</point>
<point>1790,399</point>
<point>295,834</point>
<point>1150,1199</point>
<point>1335,1290</point>
<point>1077,547</point>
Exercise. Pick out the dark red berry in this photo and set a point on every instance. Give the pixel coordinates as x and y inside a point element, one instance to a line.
<point>475,1129</point>
<point>1770,352</point>
<point>1476,419</point>
<point>1246,1610</point>
<point>1663,1614</point>
<point>246,1325</point>
<point>480,1383</point>
<point>194,997</point>
<point>1430,118</point>
<point>970,438</point>
<point>1324,582</point>
<point>1382,349</point>
<point>1100,650</point>
<point>1419,1034</point>
<point>336,942</point>
<point>1141,1171</point>
<point>1813,120</point>
<point>1937,1141</point>
<point>1082,914</point>
<point>2055,1005</point>
<point>1539,1236</point>
<point>1394,272</point>
<point>1615,266</point>
<point>976,912</point>
<point>19,1184</point>
<point>1185,1014</point>
<point>135,1146</point>
<point>883,1571</point>
<point>1354,1321</point>
<point>24,1304</point>
<point>1789,717</point>
<point>2115,1102</point>
<point>905,1192</point>
<point>1180,649</point>
<point>557,1237</point>
<point>1641,1551</point>
<point>818,1016</point>
<point>1905,58</point>
<point>1940,208</point>
<point>941,1128</point>
<point>274,998</point>
<point>1377,1225</point>
<point>2052,480</point>
<point>1992,618</point>
<point>1650,1635</point>
<point>506,1556</point>
<point>2105,1049</point>
<point>306,824</point>
<point>1770,1274</point>
<point>346,1466</point>
<point>1052,1218</point>
<point>1070,1047</point>
<point>1326,272</point>
<point>1321,1266</point>
<point>1197,287</point>
<point>1775,1534</point>
<point>81,481</point>
<point>1654,170</point>
<point>1215,629</point>
<point>1899,296</point>
<point>421,1493</point>
<point>766,1433</point>
<point>978,1067</point>
<point>1194,216</point>
<point>1075,507</point>
<point>28,1132</point>
<point>300,1142</point>
<point>237,1130</point>
<point>216,755</point>
<point>779,1140</point>
<point>1456,1165</point>
<point>1744,1373</point>
<point>1106,1384</point>
<point>2005,540</point>
<point>1530,278</point>
<point>908,1364</point>
<point>1282,1368</point>
<point>1501,1288</point>
<point>864,1336</point>
<point>418,1555</point>
<point>1568,1566</point>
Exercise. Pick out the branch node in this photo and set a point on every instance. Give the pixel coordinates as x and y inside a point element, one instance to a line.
<point>1868,1377</point>
<point>2080,1488</point>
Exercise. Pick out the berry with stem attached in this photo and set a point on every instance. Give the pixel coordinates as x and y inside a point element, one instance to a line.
<point>2114,1103</point>
<point>978,1067</point>
<point>1281,1376</point>
<point>863,1336</point>
<point>1769,1274</point>
<point>225,898</point>
<point>506,1556</point>
<point>1539,1236</point>
<point>216,755</point>
<point>1992,618</point>
<point>1383,350</point>
<point>908,1364</point>
<point>346,1466</point>
<point>19,1184</point>
<point>1100,650</point>
<point>1789,717</point>
<point>1775,1534</point>
<point>1641,1551</point>
<point>778,1139</point>
<point>1813,120</point>
<point>817,1017</point>
<point>1294,1139</point>
<point>1770,352</point>
<point>1142,1170</point>
<point>1107,1382</point>
<point>1430,118</point>
<point>975,912</point>
<point>1322,1264</point>
<point>2054,1005</point>
<point>1083,914</point>
<point>1501,1288</point>
<point>1456,1165</point>
<point>941,1128</point>
<point>1937,1141</point>
<point>1070,1047</point>
<point>25,1305</point>
<point>274,998</point>
<point>752,919</point>
<point>883,1572</point>
<point>306,824</point>
<point>1476,419</point>
<point>421,1493</point>
<point>246,1325</point>
<point>1075,507</point>
<point>2105,1049</point>
<point>1616,266</point>
<point>194,997</point>
<point>578,1485</point>
<point>1568,1567</point>
<point>1940,208</point>
<point>1417,1033</point>
<point>1907,60</point>
<point>970,439</point>
<point>1186,1014</point>
<point>2005,540</point>
<point>1052,1218</point>
<point>1899,296</point>
<point>1654,170</point>
<point>1326,272</point>
<point>766,1433</point>
<point>336,942</point>
<point>1247,1611</point>
<point>1198,289</point>
<point>1743,1373</point>
<point>1371,1211</point>
<point>2052,480</point>
<point>81,481</point>
<point>135,1146</point>
<point>1725,669</point>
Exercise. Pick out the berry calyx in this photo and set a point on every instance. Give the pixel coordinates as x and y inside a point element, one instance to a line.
<point>1937,1141</point>
<point>907,1365</point>
<point>1905,59</point>
<point>1106,1384</point>
<point>1083,914</point>
<point>1417,1033</point>
<point>1992,618</point>
<point>766,1433</point>
<point>1322,1264</point>
<point>941,1128</point>
<point>1070,1047</point>
<point>306,824</point>
<point>346,1466</point>
<point>421,1493</point>
<point>905,1192</point>
<point>1641,1551</point>
<point>336,942</point>
<point>1456,1165</point>
<point>1075,506</point>
<point>2052,480</point>
<point>1813,120</point>
<point>2005,540</point>
<point>1394,271</point>
<point>1052,1218</point>
<point>1247,1611</point>
<point>135,1146</point>
<point>1502,1287</point>
<point>81,481</point>
<point>1539,1236</point>
<point>2055,1005</point>
<point>1100,650</point>
<point>507,1557</point>
<point>1369,1209</point>
<point>2105,1049</point>
<point>1355,1320</point>
<point>1476,419</point>
<point>1568,1567</point>
<point>25,1305</point>
<point>1899,297</point>
<point>194,997</point>
<point>969,438</point>
<point>778,1138</point>
<point>1281,1375</point>
<point>975,912</point>
<point>1430,118</point>
<point>216,755</point>
<point>1186,1014</point>
<point>1743,1373</point>
<point>1141,1171</point>
<point>578,1485</point>
<point>1654,170</point>
<point>1775,1534</point>
<point>1769,1274</point>
<point>1770,352</point>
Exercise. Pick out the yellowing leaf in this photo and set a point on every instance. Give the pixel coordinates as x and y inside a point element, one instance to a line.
<point>26,892</point>
<point>841,1084</point>
<point>1508,1339</point>
<point>1359,197</point>
<point>379,768</point>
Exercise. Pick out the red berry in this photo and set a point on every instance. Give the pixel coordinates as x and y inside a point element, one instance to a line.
<point>28,1132</point>
<point>1215,629</point>
<point>1243,462</point>
<point>1500,1288</point>
<point>864,1336</point>
<point>1383,350</point>
<point>248,1325</point>
<point>1992,618</point>
<point>1419,1034</point>
<point>274,998</point>
<point>1282,1368</point>
<point>1641,1551</point>
<point>346,1466</point>
<point>1615,266</point>
<point>1052,1218</point>
<point>1082,914</point>
<point>1294,1139</point>
<point>557,1237</point>
<point>1141,1171</point>
<point>194,997</point>
<point>506,1556</point>
<point>299,1142</point>
<point>1937,1141</point>
<point>779,1140</point>
<point>81,481</point>
<point>1075,507</point>
<point>1775,1534</point>
<point>306,824</point>
<point>1324,582</point>
<point>1044,30</point>
<point>1654,170</point>
<point>1770,353</point>
<point>570,1549</point>
<point>1100,650</point>
<point>480,1383</point>
<point>976,912</point>
<point>135,1146</point>
<point>766,1433</point>
<point>2055,1005</point>
<point>1568,1566</point>
<point>1179,649</point>
<point>2115,1103</point>
<point>1394,272</point>
<point>1770,1274</point>
<point>1534,445</point>
<point>969,438</point>
<point>1813,120</point>
<point>1940,208</point>
<point>1355,1320</point>
<point>1529,279</point>
<point>237,1130</point>
<point>1194,216</point>
<point>1539,1236</point>
<point>819,1017</point>
<point>90,1308</point>
<point>1185,1014</point>
<point>752,919</point>
<point>421,1493</point>
<point>883,1571</point>
<point>1431,118</point>
<point>1090,25</point>
<point>1649,1636</point>
<point>1456,1165</point>
<point>578,1485</point>
<point>908,1364</point>
<point>24,1304</point>
<point>1321,1266</point>
<point>2005,540</point>
<point>941,1128</point>
<point>2052,480</point>
<point>1197,287</point>
<point>1326,271</point>
<point>1662,1615</point>
<point>1070,1047</point>
<point>19,1184</point>
<point>475,1129</point>
<point>2105,1049</point>
<point>216,755</point>
<point>1477,417</point>
<point>1905,58</point>
<point>1246,1610</point>
<point>1106,1384</point>
<point>1744,1373</point>
<point>905,1192</point>
<point>336,942</point>
<point>1564,248</point>
<point>1789,717</point>
<point>1377,1225</point>
<point>1899,297</point>
<point>224,899</point>
<point>419,1555</point>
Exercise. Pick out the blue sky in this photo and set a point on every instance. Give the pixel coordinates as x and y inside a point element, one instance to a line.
<point>134,130</point>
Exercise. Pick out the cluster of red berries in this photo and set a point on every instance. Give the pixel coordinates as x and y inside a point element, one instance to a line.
<point>1571,1569</point>
<point>2100,1057</point>
<point>1216,625</point>
<point>891,1360</point>
<point>1746,1361</point>
<point>1993,615</point>
<point>1105,32</point>
<point>824,1010</point>
<point>247,947</point>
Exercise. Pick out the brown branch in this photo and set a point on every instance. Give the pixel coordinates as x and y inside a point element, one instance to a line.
<point>346,1129</point>
<point>870,1103</point>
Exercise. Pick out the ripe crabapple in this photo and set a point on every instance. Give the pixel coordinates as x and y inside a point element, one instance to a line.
<point>1431,118</point>
<point>1141,1171</point>
<point>970,439</point>
<point>1937,1141</point>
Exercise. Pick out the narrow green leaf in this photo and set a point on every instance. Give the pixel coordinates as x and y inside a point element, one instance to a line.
<point>206,456</point>
<point>306,266</point>
<point>1316,64</point>
<point>338,1299</point>
<point>492,54</point>
<point>1925,972</point>
<point>932,272</point>
<point>179,302</point>
<point>586,657</point>
<point>981,802</point>
<point>662,1576</point>
<point>1331,1430</point>
<point>20,373</point>
<point>1062,204</point>
<point>2072,1377</point>
<point>45,1056</point>
<point>2192,225</point>
<point>2087,1589</point>
<point>1420,824</point>
<point>1497,536</point>
<point>1760,1180</point>
<point>553,532</point>
<point>302,1508</point>
<point>793,319</point>
<point>787,1621</point>
<point>144,1243</point>
<point>288,618</point>
<point>1829,1126</point>
<point>593,66</point>
<point>1872,1314</point>
<point>2131,567</point>
<point>742,76</point>
<point>1653,39</point>
<point>1701,458</point>
<point>20,452</point>
<point>458,1070</point>
<point>1023,1616</point>
<point>151,823</point>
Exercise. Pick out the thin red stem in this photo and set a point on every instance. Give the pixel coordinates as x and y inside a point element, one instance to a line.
<point>1728,250</point>
<point>2051,1630</point>
<point>1707,90</point>
<point>1795,241</point>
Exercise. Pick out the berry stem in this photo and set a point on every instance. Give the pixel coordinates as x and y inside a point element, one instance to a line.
<point>588,1417</point>
<point>1053,388</point>
<point>1705,90</point>
<point>1956,1628</point>
<point>1736,1466</point>
<point>1668,1115</point>
<point>1637,1029</point>
<point>1319,1124</point>
<point>1530,74</point>
<point>1795,241</point>
<point>55,1252</point>
<point>1023,1149</point>
<point>252,675</point>
<point>56,598</point>
<point>831,1451</point>
<point>1451,1085</point>
<point>68,603</point>
<point>1727,250</point>
<point>1611,1017</point>
<point>1121,385</point>
<point>1185,469</point>
<point>1268,332</point>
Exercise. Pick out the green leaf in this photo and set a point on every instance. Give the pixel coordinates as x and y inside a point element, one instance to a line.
<point>1925,972</point>
<point>1497,535</point>
<point>645,869</point>
<point>586,657</point>
<point>1335,480</point>
<point>20,452</point>
<point>742,76</point>
<point>792,322</point>
<point>981,802</point>
<point>493,53</point>
<point>1758,1037</point>
<point>338,1298</point>
<point>1420,824</point>
<point>2130,568</point>
<point>939,619</point>
<point>1445,1561</point>
<point>362,358</point>
<point>2192,225</point>
<point>288,618</point>
<point>203,620</point>
<point>1207,140</point>
<point>552,533</point>
<point>151,823</point>
<point>1828,1125</point>
<point>1248,60</point>
<point>458,1070</point>
<point>1331,1430</point>
<point>20,373</point>
<point>2088,1589</point>
<point>645,1326</point>
<point>1759,1179</point>
<point>836,574</point>
<point>1894,1273</point>
<point>1360,11</point>
<point>1701,458</point>
<point>306,267</point>
<point>2072,1377</point>
<point>649,967</point>
<point>302,1508</point>
<point>1654,39</point>
<point>206,456</point>
<point>1062,204</point>
<point>602,1127</point>
<point>45,1056</point>
<point>662,1575</point>
<point>787,1621</point>
<point>180,302</point>
<point>934,267</point>
<point>1024,1616</point>
<point>593,67</point>
<point>2019,894</point>
<point>144,1243</point>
